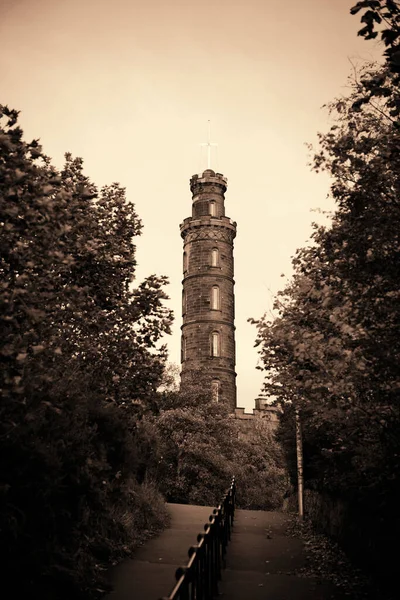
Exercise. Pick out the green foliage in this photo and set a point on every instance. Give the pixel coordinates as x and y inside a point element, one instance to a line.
<point>197,438</point>
<point>381,18</point>
<point>201,446</point>
<point>260,468</point>
<point>334,348</point>
<point>80,364</point>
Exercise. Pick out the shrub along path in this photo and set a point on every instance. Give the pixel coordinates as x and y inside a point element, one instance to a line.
<point>262,560</point>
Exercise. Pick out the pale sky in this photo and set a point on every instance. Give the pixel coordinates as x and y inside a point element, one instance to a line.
<point>129,87</point>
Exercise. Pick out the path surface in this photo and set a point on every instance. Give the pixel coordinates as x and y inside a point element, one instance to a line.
<point>151,573</point>
<point>261,560</point>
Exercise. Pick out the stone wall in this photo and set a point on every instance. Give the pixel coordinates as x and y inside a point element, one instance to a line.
<point>367,539</point>
<point>269,414</point>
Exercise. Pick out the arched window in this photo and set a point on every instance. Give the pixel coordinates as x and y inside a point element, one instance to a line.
<point>215,389</point>
<point>215,344</point>
<point>215,297</point>
<point>212,208</point>
<point>183,302</point>
<point>214,257</point>
<point>185,262</point>
<point>183,349</point>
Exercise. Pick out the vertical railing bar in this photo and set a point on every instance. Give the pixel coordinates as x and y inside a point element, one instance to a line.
<point>198,580</point>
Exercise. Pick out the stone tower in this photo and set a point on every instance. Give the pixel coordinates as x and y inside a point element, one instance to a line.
<point>208,308</point>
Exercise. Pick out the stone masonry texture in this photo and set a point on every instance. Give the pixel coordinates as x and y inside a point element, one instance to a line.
<point>208,263</point>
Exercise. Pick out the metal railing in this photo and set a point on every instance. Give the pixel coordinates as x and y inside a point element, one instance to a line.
<point>198,580</point>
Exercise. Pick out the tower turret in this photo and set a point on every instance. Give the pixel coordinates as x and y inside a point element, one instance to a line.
<point>208,308</point>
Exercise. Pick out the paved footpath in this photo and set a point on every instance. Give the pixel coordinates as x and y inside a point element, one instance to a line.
<point>150,574</point>
<point>261,560</point>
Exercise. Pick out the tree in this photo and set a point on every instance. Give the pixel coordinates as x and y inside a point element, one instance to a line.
<point>81,360</point>
<point>386,15</point>
<point>259,467</point>
<point>335,342</point>
<point>197,441</point>
<point>333,350</point>
<point>201,445</point>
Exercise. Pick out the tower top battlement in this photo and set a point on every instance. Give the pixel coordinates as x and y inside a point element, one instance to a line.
<point>208,194</point>
<point>208,176</point>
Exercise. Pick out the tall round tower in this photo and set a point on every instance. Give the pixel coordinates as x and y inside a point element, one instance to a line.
<point>208,331</point>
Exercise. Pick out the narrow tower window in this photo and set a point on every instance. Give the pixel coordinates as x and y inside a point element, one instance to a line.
<point>215,299</point>
<point>215,344</point>
<point>214,257</point>
<point>183,302</point>
<point>212,208</point>
<point>183,349</point>
<point>185,262</point>
<point>215,389</point>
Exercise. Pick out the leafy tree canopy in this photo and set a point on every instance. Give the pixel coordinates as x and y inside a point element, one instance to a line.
<point>334,346</point>
<point>80,362</point>
<point>381,19</point>
<point>202,445</point>
<point>68,302</point>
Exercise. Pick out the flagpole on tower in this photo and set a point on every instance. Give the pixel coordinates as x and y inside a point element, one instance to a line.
<point>209,144</point>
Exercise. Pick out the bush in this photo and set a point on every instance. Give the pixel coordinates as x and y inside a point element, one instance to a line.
<point>201,446</point>
<point>259,468</point>
<point>71,502</point>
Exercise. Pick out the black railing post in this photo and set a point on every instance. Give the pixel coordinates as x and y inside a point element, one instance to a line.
<point>198,580</point>
<point>200,584</point>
